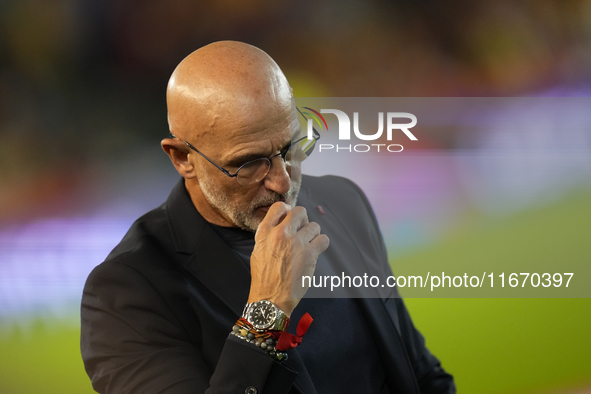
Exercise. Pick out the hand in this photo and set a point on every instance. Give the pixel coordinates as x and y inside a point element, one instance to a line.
<point>286,246</point>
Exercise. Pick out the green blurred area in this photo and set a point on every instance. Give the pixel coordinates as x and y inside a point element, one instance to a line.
<point>489,345</point>
<point>512,345</point>
<point>44,358</point>
<point>509,345</point>
<point>552,239</point>
<point>501,345</point>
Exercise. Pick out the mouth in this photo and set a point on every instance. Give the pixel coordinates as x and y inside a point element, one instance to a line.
<point>265,208</point>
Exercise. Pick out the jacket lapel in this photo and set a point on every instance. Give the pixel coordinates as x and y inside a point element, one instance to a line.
<point>400,376</point>
<point>209,258</point>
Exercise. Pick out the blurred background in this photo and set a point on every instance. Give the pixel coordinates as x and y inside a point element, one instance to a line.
<point>82,112</point>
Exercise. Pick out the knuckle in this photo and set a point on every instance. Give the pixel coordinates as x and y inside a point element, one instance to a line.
<point>300,211</point>
<point>315,227</point>
<point>282,233</point>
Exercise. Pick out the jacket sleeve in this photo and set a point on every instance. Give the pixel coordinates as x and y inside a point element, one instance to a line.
<point>131,342</point>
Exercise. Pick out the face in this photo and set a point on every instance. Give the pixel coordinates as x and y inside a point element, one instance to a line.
<point>245,206</point>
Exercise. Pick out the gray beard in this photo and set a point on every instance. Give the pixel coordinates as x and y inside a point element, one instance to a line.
<point>243,216</point>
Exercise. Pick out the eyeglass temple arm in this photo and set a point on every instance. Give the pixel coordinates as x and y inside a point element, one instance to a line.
<point>202,155</point>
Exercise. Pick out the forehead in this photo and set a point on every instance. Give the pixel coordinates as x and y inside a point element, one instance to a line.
<point>257,134</point>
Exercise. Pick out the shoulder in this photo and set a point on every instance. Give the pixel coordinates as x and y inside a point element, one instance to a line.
<point>344,199</point>
<point>145,251</point>
<point>146,230</point>
<point>341,193</point>
<point>328,183</point>
<point>329,186</point>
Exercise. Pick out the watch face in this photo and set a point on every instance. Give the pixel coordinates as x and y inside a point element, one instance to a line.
<point>263,315</point>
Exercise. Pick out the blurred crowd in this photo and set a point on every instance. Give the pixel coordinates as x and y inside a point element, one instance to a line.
<point>82,82</point>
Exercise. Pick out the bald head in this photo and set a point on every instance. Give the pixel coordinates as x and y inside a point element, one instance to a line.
<point>225,85</point>
<point>232,102</point>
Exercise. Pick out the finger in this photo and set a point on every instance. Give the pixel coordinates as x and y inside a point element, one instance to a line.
<point>275,215</point>
<point>309,231</point>
<point>320,243</point>
<point>310,234</point>
<point>298,219</point>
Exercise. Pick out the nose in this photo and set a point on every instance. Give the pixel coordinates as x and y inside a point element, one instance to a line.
<point>279,177</point>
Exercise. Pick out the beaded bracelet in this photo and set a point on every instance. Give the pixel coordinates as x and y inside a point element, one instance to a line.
<point>263,341</point>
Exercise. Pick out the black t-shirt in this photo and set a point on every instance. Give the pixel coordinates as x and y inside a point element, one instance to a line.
<point>338,350</point>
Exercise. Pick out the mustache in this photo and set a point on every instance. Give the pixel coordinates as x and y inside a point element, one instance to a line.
<point>274,197</point>
<point>270,199</point>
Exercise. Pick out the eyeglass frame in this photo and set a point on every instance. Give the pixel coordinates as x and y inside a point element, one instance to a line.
<point>282,153</point>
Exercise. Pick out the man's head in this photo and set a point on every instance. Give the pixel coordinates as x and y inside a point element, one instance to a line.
<point>232,103</point>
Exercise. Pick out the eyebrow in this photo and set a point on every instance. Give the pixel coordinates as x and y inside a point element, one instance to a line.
<point>245,158</point>
<point>237,161</point>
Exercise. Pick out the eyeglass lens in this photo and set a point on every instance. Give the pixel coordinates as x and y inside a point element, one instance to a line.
<point>258,169</point>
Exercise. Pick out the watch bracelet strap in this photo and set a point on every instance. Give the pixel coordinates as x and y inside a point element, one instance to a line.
<point>280,324</point>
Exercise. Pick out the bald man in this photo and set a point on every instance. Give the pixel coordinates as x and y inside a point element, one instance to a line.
<point>198,296</point>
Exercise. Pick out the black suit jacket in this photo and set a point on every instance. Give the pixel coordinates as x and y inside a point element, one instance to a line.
<point>157,313</point>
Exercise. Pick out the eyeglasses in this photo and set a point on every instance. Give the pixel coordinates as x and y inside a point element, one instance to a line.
<point>256,170</point>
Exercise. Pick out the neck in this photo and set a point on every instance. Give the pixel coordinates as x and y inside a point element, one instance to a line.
<point>209,212</point>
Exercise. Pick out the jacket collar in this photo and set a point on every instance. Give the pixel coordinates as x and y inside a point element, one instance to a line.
<point>185,222</point>
<point>208,257</point>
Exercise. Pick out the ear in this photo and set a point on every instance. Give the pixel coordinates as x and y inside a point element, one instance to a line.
<point>177,151</point>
